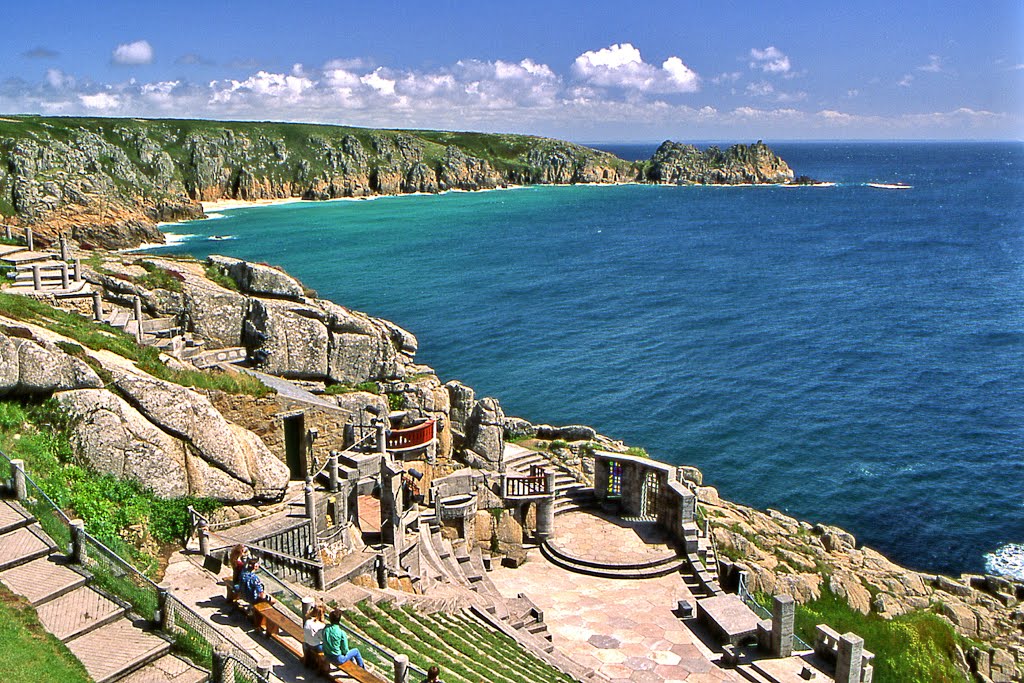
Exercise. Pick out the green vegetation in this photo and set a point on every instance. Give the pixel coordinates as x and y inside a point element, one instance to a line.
<point>918,647</point>
<point>465,650</point>
<point>557,444</point>
<point>28,654</point>
<point>638,451</point>
<point>217,275</point>
<point>396,401</point>
<point>98,336</point>
<point>159,278</point>
<point>344,388</point>
<point>119,513</point>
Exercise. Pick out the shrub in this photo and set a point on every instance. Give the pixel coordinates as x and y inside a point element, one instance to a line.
<point>216,275</point>
<point>159,278</point>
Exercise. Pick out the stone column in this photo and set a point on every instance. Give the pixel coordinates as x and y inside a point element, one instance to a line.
<point>401,669</point>
<point>97,306</point>
<point>138,318</point>
<point>162,611</point>
<point>600,478</point>
<point>65,278</point>
<point>63,247</point>
<point>391,529</point>
<point>310,500</point>
<point>851,652</point>
<point>203,531</point>
<point>382,437</point>
<point>783,611</point>
<point>263,669</point>
<point>37,280</point>
<point>28,239</point>
<point>18,479</point>
<point>78,551</point>
<point>332,472</point>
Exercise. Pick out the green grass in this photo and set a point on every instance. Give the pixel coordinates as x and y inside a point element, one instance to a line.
<point>637,451</point>
<point>216,274</point>
<point>99,336</point>
<point>343,388</point>
<point>914,648</point>
<point>28,654</point>
<point>38,434</point>
<point>159,278</point>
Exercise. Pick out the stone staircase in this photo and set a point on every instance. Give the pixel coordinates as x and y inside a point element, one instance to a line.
<point>112,643</point>
<point>26,268</point>
<point>570,493</point>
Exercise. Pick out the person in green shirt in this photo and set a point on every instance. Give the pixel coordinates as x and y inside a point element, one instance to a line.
<point>335,642</point>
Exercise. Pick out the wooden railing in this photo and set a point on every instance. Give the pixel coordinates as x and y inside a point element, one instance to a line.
<point>413,437</point>
<point>519,487</point>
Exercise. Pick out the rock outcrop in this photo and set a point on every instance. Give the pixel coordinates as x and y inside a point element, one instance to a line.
<point>31,368</point>
<point>109,182</point>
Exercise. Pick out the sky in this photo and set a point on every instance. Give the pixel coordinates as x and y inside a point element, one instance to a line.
<point>593,71</point>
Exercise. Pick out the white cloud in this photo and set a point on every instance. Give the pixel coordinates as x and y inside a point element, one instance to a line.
<point>57,79</point>
<point>263,84</point>
<point>621,66</point>
<point>101,101</point>
<point>852,92</point>
<point>906,81</point>
<point>769,60</point>
<point>375,80</point>
<point>934,65</point>
<point>760,89</point>
<point>139,52</point>
<point>730,77</point>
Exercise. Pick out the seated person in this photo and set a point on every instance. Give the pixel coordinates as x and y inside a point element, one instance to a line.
<point>312,634</point>
<point>250,585</point>
<point>335,643</point>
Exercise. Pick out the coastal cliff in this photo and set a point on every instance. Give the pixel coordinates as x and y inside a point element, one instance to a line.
<point>109,182</point>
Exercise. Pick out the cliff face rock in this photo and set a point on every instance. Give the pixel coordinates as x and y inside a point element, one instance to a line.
<point>163,435</point>
<point>258,279</point>
<point>108,182</point>
<point>677,164</point>
<point>29,367</point>
<point>783,555</point>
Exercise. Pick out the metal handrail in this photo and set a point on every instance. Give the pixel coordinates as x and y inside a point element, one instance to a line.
<point>117,559</point>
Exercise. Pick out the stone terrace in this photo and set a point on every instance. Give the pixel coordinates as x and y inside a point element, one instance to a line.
<point>625,629</point>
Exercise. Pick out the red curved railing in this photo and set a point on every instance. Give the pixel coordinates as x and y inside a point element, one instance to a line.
<point>413,437</point>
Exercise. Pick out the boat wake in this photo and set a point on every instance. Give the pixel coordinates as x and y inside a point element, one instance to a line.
<point>1007,561</point>
<point>221,238</point>
<point>890,186</point>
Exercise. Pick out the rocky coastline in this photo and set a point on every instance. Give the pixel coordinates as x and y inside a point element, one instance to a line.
<point>108,183</point>
<point>183,441</point>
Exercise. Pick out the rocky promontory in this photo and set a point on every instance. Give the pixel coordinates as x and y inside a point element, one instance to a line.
<point>108,182</point>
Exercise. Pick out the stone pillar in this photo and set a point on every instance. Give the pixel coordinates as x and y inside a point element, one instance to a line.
<point>7,232</point>
<point>380,568</point>
<point>401,669</point>
<point>37,280</point>
<point>162,610</point>
<point>600,478</point>
<point>332,472</point>
<point>221,664</point>
<point>310,500</point>
<point>78,270</point>
<point>263,669</point>
<point>65,279</point>
<point>783,611</point>
<point>18,479</point>
<point>851,652</point>
<point>138,318</point>
<point>63,247</point>
<point>391,529</point>
<point>97,306</point>
<point>78,551</point>
<point>28,239</point>
<point>203,531</point>
<point>382,437</point>
<point>545,519</point>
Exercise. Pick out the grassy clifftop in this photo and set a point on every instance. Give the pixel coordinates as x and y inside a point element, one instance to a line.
<point>109,181</point>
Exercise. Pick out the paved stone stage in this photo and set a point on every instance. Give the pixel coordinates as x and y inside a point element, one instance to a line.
<point>623,628</point>
<point>609,540</point>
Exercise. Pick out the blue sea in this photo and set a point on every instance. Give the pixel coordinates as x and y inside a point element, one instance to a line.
<point>847,354</point>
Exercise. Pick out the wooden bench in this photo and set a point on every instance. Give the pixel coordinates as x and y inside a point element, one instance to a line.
<point>279,626</point>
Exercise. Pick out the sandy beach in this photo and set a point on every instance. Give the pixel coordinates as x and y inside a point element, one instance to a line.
<point>225,204</point>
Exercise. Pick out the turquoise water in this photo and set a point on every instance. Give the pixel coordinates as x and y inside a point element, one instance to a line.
<point>846,354</point>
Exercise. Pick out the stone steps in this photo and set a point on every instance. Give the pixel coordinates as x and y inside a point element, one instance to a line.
<point>117,649</point>
<point>649,570</point>
<point>95,627</point>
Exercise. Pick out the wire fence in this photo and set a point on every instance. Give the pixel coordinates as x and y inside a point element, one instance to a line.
<point>196,636</point>
<point>762,611</point>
